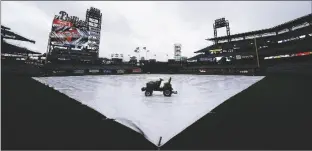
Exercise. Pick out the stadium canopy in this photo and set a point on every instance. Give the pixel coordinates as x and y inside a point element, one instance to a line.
<point>300,20</point>
<point>6,34</point>
<point>289,24</point>
<point>12,49</point>
<point>269,34</point>
<point>256,32</point>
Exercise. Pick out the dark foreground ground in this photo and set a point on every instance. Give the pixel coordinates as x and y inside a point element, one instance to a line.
<point>275,113</point>
<point>37,117</point>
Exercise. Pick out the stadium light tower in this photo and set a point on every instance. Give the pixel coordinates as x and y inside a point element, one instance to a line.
<point>177,51</point>
<point>137,50</point>
<point>219,23</point>
<point>146,51</point>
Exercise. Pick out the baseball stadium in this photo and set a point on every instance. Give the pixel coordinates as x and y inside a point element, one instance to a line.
<point>248,90</point>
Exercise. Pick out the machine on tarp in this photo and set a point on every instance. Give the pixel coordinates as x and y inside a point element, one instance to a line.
<point>156,86</point>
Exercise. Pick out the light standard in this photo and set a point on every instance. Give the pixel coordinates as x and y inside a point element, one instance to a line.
<point>146,51</point>
<point>137,50</point>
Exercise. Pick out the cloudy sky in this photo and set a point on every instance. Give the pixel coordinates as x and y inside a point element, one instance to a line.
<point>154,24</point>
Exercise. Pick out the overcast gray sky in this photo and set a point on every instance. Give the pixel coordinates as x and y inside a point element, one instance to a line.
<point>154,24</point>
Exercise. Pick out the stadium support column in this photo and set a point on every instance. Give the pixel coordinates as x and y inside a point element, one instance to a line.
<point>227,26</point>
<point>257,53</point>
<point>48,49</point>
<point>49,39</point>
<point>215,33</point>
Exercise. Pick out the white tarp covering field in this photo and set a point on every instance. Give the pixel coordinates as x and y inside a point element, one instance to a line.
<point>120,97</point>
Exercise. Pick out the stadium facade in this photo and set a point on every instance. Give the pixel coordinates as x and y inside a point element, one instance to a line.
<point>287,42</point>
<point>73,49</point>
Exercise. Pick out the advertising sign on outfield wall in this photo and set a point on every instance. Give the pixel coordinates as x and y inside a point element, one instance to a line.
<point>202,70</point>
<point>137,70</point>
<point>78,71</point>
<point>107,71</point>
<point>94,71</point>
<point>120,71</point>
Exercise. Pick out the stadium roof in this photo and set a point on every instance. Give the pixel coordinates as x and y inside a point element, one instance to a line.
<point>6,34</point>
<point>260,40</point>
<point>9,48</point>
<point>264,34</point>
<point>300,20</point>
<point>256,32</point>
<point>5,28</point>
